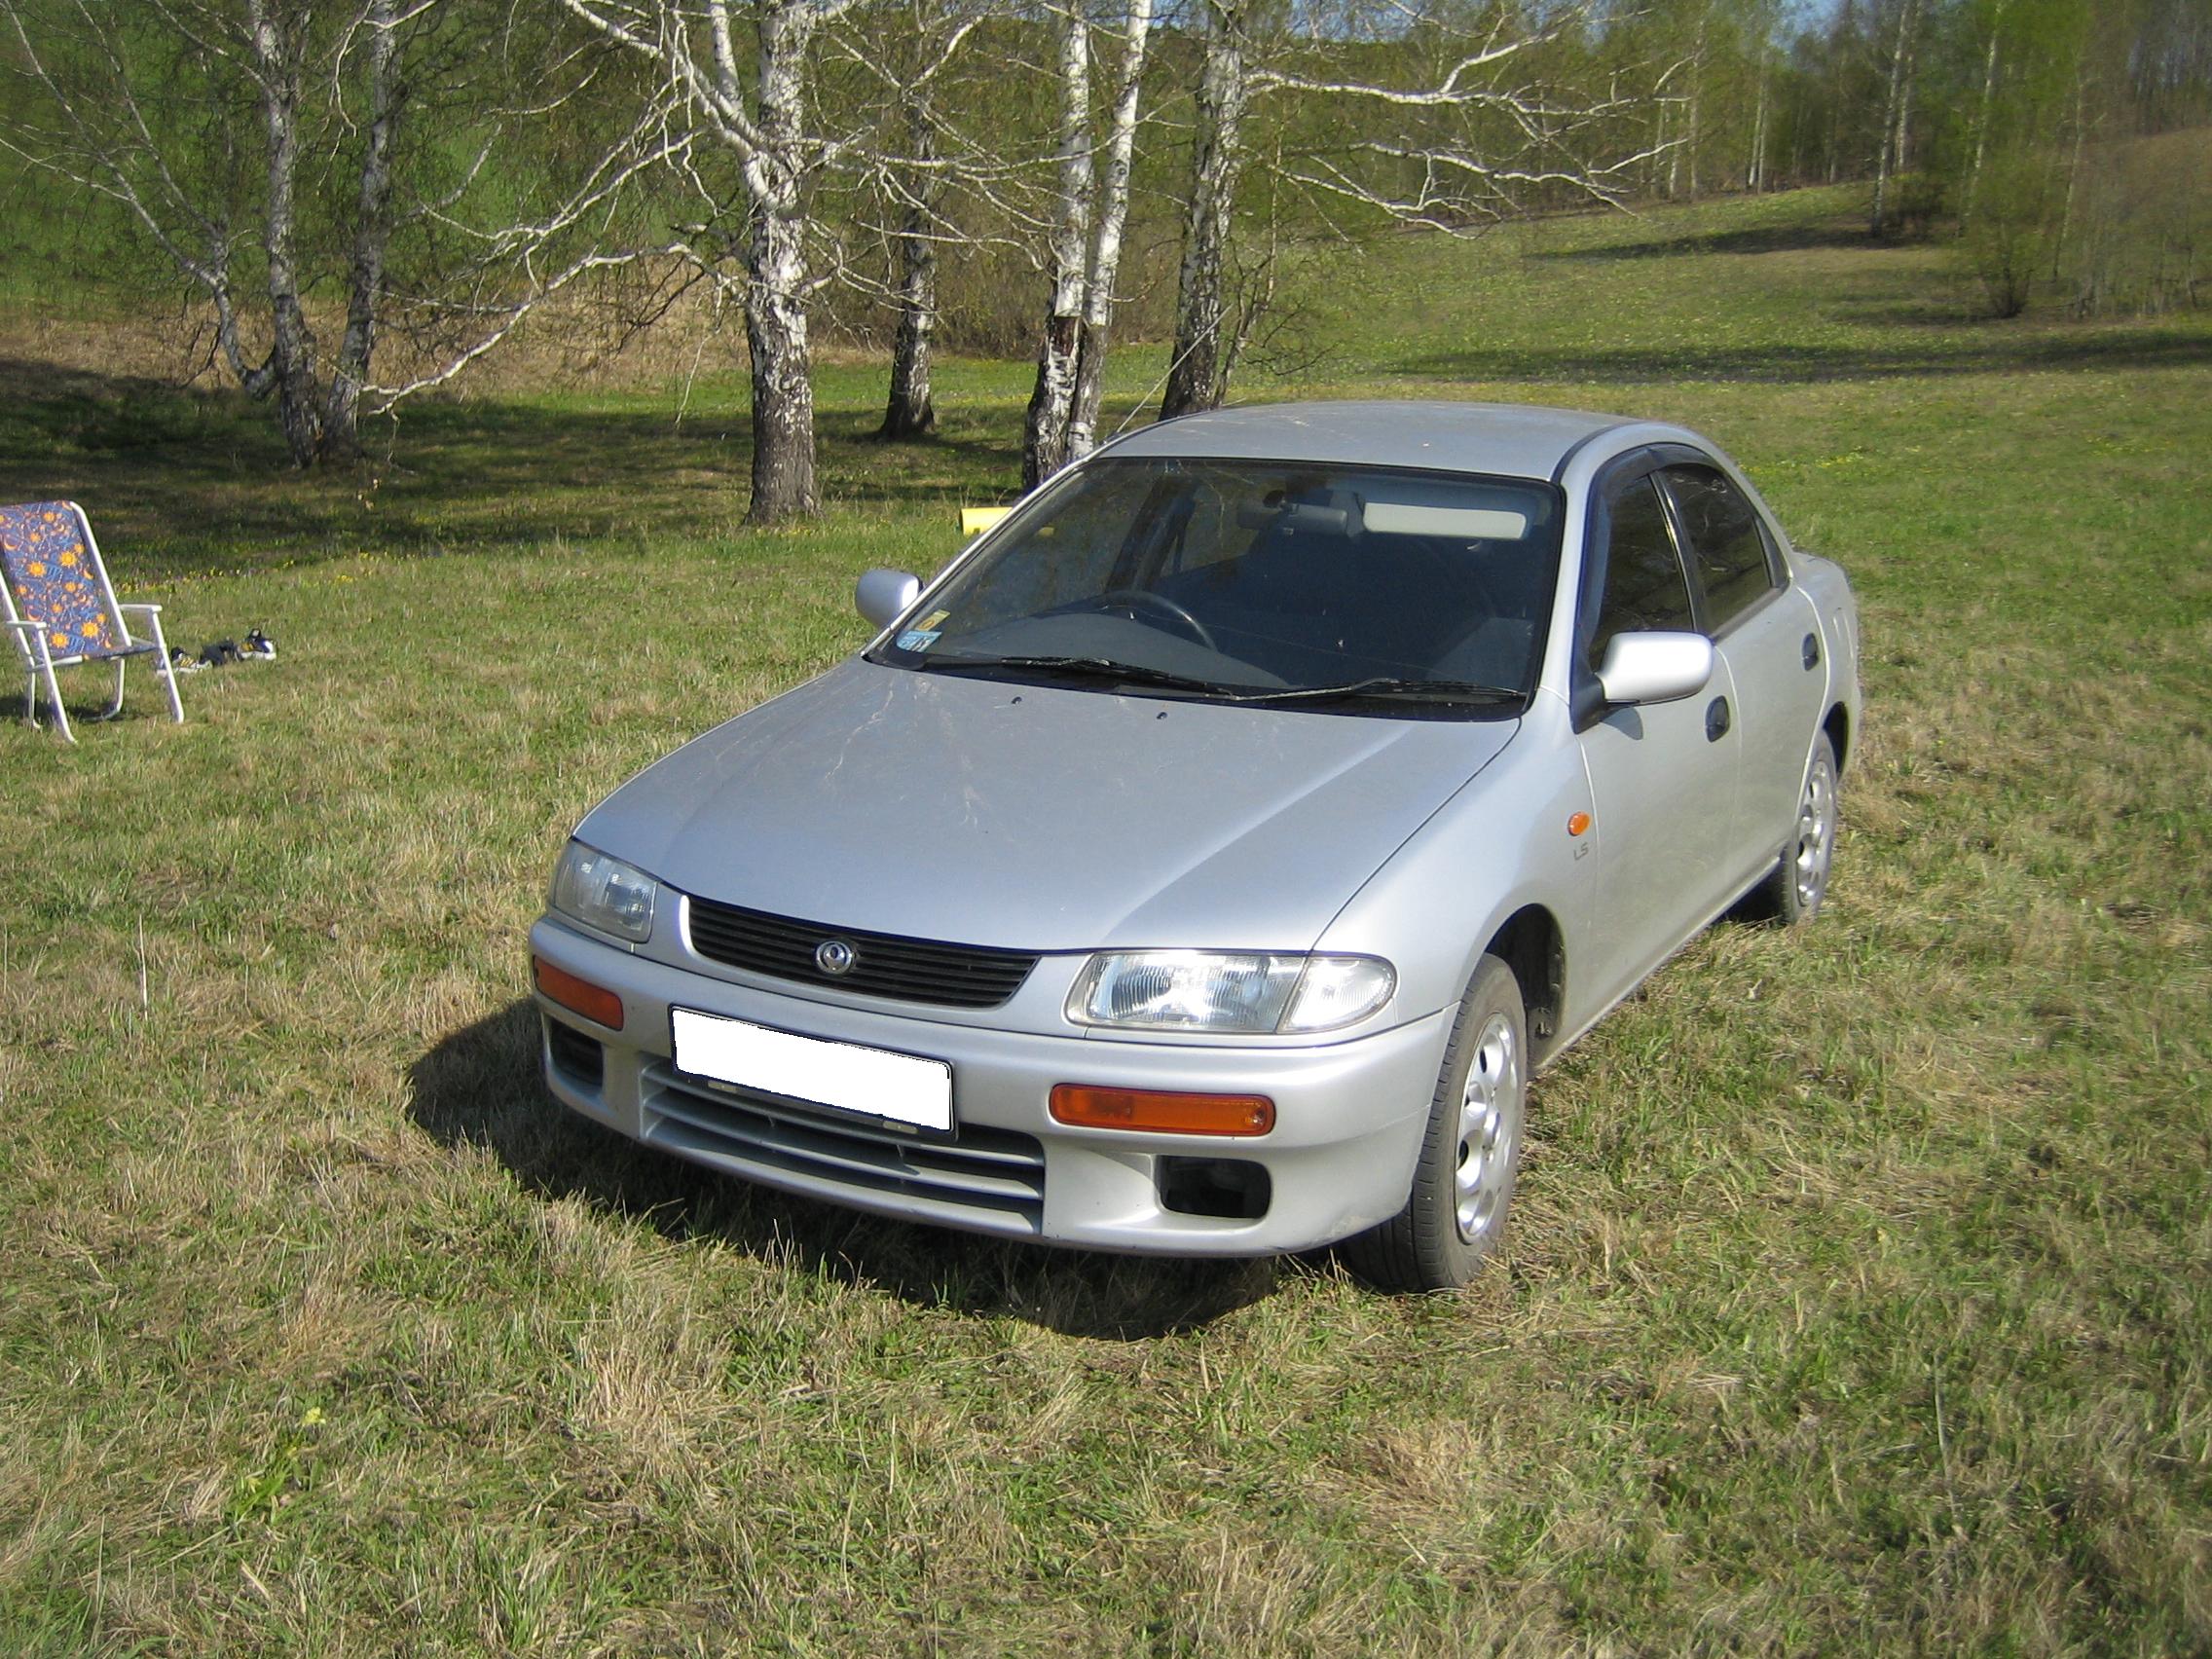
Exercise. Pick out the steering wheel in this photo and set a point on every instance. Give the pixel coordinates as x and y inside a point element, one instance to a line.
<point>1141,599</point>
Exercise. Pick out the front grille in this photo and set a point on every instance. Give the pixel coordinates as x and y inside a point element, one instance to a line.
<point>989,1179</point>
<point>884,965</point>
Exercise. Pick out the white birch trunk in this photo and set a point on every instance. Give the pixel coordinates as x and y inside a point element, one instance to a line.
<point>277,49</point>
<point>1106,240</point>
<point>1196,374</point>
<point>776,277</point>
<point>910,411</point>
<point>1895,114</point>
<point>1045,433</point>
<point>372,230</point>
<point>1981,119</point>
<point>1755,174</point>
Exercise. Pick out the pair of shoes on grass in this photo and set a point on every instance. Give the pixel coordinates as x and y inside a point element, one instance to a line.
<point>258,648</point>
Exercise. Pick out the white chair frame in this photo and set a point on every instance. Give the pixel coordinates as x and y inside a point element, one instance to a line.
<point>39,661</point>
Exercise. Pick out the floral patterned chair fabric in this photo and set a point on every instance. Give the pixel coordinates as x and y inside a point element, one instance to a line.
<point>60,608</point>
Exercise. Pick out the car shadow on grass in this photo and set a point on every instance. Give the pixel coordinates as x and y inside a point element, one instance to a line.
<point>480,1087</point>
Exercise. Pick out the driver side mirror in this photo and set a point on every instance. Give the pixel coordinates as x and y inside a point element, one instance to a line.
<point>882,596</point>
<point>1654,668</point>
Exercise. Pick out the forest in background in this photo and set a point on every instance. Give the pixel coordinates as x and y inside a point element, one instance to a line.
<point>348,205</point>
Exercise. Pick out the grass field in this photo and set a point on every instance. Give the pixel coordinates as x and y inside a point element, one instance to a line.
<point>1857,1291</point>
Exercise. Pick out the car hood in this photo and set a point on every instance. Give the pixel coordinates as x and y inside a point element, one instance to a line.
<point>941,806</point>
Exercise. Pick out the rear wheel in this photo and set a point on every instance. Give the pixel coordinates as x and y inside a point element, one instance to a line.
<point>1471,1154</point>
<point>1793,892</point>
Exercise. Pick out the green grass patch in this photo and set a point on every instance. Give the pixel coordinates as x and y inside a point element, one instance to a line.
<point>1855,1299</point>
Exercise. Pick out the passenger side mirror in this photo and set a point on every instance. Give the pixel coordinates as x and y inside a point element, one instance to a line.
<point>884,595</point>
<point>1654,668</point>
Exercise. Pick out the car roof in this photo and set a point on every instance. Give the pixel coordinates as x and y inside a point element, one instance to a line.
<point>1514,440</point>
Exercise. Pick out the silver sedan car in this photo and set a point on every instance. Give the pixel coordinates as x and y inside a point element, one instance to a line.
<point>1203,862</point>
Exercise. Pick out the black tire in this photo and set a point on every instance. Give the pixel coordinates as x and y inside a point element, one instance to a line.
<point>1793,891</point>
<point>1470,1157</point>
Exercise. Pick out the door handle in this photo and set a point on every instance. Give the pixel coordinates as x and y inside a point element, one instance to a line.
<point>1812,651</point>
<point>1717,720</point>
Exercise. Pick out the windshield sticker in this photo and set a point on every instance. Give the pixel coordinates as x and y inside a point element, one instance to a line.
<point>934,619</point>
<point>1475,524</point>
<point>917,639</point>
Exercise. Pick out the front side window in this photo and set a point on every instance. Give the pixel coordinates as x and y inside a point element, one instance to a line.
<point>1259,581</point>
<point>1727,547</point>
<point>1644,588</point>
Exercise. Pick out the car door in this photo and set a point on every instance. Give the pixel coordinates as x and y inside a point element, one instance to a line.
<point>1663,776</point>
<point>1769,636</point>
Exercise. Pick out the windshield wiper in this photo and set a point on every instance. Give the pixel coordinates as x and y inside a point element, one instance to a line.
<point>1380,686</point>
<point>1394,686</point>
<point>1082,666</point>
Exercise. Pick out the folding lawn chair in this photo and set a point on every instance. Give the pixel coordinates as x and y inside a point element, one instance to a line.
<point>60,608</point>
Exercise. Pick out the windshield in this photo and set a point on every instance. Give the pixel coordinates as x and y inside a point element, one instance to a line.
<point>1314,586</point>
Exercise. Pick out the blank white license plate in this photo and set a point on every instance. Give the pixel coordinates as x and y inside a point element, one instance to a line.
<point>873,1081</point>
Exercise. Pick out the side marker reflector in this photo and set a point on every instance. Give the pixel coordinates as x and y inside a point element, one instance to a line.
<point>1578,824</point>
<point>577,996</point>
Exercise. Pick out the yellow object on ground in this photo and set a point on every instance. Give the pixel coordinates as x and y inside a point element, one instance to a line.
<point>973,521</point>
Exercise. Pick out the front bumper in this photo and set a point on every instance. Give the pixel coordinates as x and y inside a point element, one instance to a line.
<point>1349,1117</point>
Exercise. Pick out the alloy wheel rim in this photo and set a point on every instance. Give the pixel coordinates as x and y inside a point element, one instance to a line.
<point>1490,1126</point>
<point>1816,836</point>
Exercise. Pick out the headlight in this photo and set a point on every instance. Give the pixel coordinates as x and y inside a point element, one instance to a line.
<point>1206,990</point>
<point>603,892</point>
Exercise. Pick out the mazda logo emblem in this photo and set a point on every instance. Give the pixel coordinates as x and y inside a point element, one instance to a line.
<point>833,956</point>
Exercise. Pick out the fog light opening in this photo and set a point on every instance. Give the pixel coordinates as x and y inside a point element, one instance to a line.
<point>1226,1189</point>
<point>580,1059</point>
<point>595,1003</point>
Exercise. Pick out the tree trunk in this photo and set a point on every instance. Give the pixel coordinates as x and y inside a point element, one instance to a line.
<point>1197,375</point>
<point>1981,119</point>
<point>277,49</point>
<point>2073,171</point>
<point>776,275</point>
<point>1902,146</point>
<point>372,230</point>
<point>1755,174</point>
<point>1045,433</point>
<point>1106,242</point>
<point>1897,115</point>
<point>912,413</point>
<point>783,385</point>
<point>1697,100</point>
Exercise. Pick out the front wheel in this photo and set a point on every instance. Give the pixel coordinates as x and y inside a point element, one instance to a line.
<point>1471,1154</point>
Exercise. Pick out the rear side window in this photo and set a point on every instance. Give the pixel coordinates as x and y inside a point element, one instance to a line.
<point>1645,588</point>
<point>1727,547</point>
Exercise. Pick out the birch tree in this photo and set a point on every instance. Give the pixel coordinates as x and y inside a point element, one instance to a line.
<point>1084,254</point>
<point>947,169</point>
<point>1043,437</point>
<point>910,409</point>
<point>1105,259</point>
<point>1197,369</point>
<point>1896,110</point>
<point>1445,129</point>
<point>213,125</point>
<point>752,105</point>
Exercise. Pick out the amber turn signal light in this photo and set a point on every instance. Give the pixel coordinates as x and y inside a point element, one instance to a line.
<point>578,996</point>
<point>1160,1112</point>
